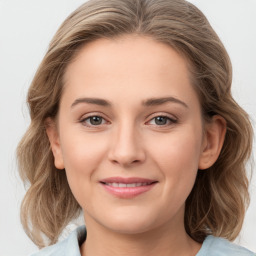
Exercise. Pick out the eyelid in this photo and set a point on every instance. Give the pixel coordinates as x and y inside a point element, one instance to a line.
<point>84,117</point>
<point>173,119</point>
<point>171,116</point>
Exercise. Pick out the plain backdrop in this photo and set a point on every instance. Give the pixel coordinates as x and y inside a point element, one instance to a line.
<point>27,26</point>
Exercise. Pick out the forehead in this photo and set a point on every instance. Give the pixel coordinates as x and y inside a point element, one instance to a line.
<point>128,66</point>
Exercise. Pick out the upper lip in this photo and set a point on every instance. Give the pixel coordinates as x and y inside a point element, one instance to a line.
<point>127,180</point>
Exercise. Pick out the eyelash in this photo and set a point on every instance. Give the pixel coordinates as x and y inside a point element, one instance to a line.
<point>168,119</point>
<point>83,121</point>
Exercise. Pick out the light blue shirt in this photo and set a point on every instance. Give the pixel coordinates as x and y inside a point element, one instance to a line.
<point>212,246</point>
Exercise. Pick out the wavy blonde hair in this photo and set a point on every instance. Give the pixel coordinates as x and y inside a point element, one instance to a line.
<point>219,198</point>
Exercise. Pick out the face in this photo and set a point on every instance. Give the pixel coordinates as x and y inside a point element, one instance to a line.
<point>129,134</point>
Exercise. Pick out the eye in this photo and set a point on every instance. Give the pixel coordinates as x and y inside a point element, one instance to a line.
<point>162,120</point>
<point>93,121</point>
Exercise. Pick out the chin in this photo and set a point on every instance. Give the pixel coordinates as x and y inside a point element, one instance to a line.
<point>130,223</point>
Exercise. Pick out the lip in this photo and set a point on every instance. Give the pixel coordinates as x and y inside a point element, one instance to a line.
<point>126,180</point>
<point>127,192</point>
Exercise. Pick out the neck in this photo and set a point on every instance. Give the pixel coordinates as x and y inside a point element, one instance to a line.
<point>162,241</point>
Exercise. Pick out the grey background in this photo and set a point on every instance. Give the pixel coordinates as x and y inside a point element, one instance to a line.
<point>27,26</point>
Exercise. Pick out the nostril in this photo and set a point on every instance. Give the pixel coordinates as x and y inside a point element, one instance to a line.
<point>124,160</point>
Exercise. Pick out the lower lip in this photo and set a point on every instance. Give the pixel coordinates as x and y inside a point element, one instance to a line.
<point>127,192</point>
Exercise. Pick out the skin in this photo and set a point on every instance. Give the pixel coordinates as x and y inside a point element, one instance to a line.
<point>128,141</point>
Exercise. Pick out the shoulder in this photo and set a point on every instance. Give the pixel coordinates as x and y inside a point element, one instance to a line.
<point>56,249</point>
<point>67,247</point>
<point>215,246</point>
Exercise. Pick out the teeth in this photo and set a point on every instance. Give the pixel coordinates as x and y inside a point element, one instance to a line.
<point>130,185</point>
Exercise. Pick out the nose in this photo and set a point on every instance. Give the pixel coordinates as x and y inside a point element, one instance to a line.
<point>126,147</point>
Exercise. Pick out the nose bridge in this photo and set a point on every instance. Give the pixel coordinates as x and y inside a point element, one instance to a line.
<point>126,146</point>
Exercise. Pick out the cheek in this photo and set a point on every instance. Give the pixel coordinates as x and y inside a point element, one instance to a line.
<point>82,154</point>
<point>81,149</point>
<point>177,156</point>
<point>181,149</point>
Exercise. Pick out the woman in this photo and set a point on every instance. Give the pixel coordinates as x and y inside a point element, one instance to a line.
<point>132,121</point>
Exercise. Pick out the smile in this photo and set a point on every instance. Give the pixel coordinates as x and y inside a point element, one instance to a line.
<point>130,185</point>
<point>127,187</point>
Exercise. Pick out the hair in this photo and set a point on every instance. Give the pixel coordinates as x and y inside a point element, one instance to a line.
<point>219,198</point>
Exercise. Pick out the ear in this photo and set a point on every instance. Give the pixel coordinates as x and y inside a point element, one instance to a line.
<point>53,136</point>
<point>212,142</point>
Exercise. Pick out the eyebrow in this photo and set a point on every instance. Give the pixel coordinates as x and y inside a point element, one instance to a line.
<point>147,103</point>
<point>94,101</point>
<point>160,101</point>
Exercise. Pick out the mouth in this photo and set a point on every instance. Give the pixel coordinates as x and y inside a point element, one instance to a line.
<point>127,187</point>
